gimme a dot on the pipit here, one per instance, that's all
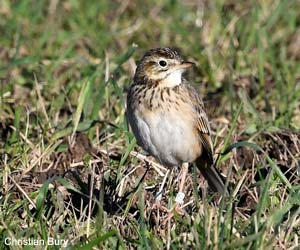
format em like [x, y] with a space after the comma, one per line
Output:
[167, 117]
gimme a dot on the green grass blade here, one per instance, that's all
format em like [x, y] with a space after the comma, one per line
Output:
[97, 241]
[84, 93]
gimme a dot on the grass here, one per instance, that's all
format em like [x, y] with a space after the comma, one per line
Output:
[71, 170]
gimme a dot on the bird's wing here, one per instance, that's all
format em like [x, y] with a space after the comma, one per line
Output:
[204, 134]
[202, 122]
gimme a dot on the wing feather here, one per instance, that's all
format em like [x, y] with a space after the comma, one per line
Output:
[205, 164]
[202, 122]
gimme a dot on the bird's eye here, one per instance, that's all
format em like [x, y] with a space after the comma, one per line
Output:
[163, 63]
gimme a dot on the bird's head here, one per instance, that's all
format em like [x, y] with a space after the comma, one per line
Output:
[161, 66]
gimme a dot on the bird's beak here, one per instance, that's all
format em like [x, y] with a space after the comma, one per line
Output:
[184, 65]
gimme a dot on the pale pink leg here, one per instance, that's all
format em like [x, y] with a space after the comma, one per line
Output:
[180, 196]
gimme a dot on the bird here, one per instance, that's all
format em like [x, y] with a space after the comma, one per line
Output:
[167, 117]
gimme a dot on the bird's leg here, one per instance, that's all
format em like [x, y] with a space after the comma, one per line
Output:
[158, 195]
[180, 196]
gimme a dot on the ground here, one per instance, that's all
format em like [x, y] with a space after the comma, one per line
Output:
[71, 169]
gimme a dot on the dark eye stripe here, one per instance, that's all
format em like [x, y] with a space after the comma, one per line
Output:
[163, 70]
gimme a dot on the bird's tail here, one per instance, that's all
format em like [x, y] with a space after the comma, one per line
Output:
[212, 175]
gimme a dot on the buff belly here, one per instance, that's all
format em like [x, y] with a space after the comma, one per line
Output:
[165, 136]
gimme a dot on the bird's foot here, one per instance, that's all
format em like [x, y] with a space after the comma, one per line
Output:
[157, 205]
[179, 210]
[163, 214]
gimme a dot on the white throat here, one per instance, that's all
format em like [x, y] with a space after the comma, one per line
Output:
[173, 79]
